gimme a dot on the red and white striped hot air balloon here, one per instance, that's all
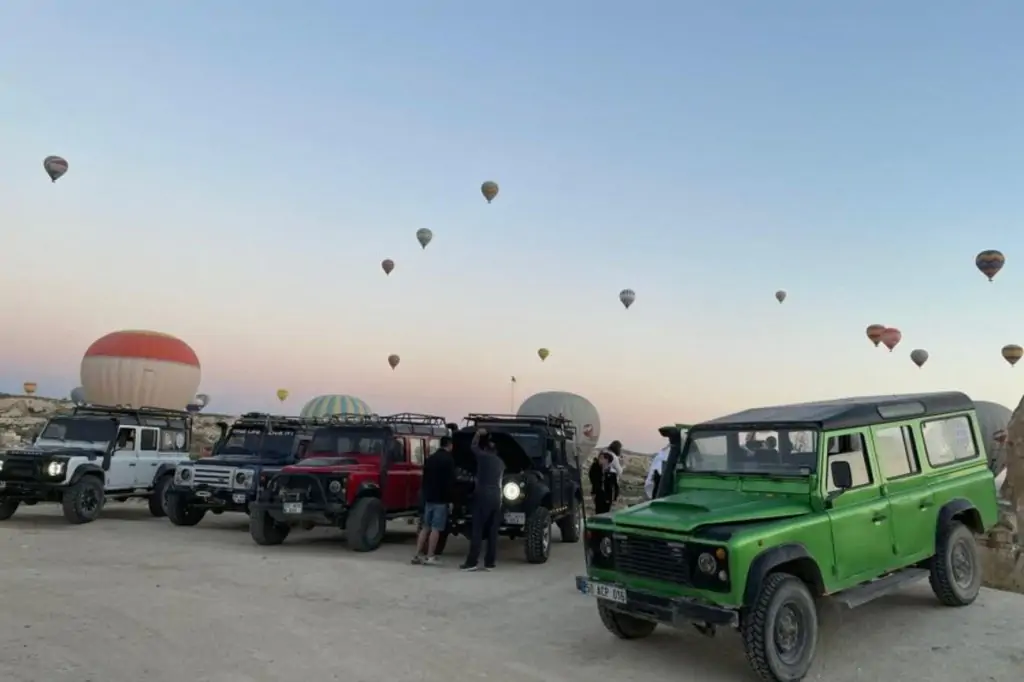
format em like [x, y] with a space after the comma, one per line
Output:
[140, 369]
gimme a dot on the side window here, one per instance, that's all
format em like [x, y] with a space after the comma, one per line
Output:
[850, 448]
[434, 445]
[949, 440]
[148, 439]
[416, 451]
[895, 452]
[300, 451]
[398, 450]
[126, 438]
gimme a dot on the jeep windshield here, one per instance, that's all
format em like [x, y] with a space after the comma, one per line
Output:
[768, 451]
[531, 442]
[258, 441]
[347, 441]
[98, 431]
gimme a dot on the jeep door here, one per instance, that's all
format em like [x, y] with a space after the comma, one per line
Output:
[417, 455]
[862, 536]
[124, 460]
[395, 480]
[911, 501]
[148, 456]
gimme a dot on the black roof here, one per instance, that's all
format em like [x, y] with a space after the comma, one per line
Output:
[847, 412]
[549, 422]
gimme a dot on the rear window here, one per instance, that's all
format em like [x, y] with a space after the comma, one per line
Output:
[348, 442]
[948, 441]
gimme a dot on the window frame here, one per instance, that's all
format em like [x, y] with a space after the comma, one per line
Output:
[413, 458]
[971, 423]
[909, 448]
[869, 460]
[147, 431]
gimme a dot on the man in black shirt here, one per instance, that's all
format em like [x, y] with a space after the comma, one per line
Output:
[438, 482]
[490, 469]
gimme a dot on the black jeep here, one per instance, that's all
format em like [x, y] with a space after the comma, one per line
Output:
[541, 484]
[247, 454]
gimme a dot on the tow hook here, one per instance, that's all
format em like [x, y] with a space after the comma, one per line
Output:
[706, 629]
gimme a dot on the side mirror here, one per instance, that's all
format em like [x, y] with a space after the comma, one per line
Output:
[842, 476]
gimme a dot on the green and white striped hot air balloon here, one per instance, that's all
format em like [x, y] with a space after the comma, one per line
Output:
[327, 405]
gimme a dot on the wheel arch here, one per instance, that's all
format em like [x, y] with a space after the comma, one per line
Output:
[958, 510]
[86, 469]
[792, 558]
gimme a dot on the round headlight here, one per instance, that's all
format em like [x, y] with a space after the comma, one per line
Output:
[606, 547]
[186, 474]
[240, 478]
[511, 490]
[335, 487]
[55, 468]
[706, 563]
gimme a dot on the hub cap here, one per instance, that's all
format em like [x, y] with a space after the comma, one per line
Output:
[790, 633]
[962, 564]
[89, 502]
[579, 524]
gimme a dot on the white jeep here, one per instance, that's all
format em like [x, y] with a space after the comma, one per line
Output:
[97, 454]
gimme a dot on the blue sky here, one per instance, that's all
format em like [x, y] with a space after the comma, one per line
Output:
[239, 169]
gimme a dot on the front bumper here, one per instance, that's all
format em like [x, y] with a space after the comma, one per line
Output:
[318, 514]
[674, 611]
[208, 497]
[29, 491]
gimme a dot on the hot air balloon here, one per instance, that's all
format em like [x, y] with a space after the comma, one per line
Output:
[202, 399]
[874, 332]
[627, 296]
[326, 405]
[423, 236]
[387, 265]
[780, 295]
[574, 407]
[282, 394]
[78, 396]
[393, 360]
[1012, 353]
[29, 387]
[490, 190]
[543, 354]
[919, 356]
[140, 369]
[990, 262]
[55, 166]
[891, 337]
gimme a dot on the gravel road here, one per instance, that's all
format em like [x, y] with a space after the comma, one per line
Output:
[131, 597]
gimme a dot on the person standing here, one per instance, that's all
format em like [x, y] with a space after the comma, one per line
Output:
[658, 463]
[604, 483]
[615, 449]
[438, 484]
[486, 502]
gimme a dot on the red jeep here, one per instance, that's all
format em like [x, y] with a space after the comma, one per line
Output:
[359, 473]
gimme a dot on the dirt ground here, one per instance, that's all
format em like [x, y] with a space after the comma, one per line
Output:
[131, 597]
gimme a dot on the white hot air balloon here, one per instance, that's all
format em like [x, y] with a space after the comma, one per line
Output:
[78, 395]
[140, 369]
[574, 407]
[627, 296]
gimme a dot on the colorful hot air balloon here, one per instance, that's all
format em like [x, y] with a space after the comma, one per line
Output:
[393, 360]
[919, 356]
[990, 262]
[1012, 353]
[29, 387]
[874, 332]
[140, 369]
[282, 394]
[423, 236]
[490, 190]
[327, 405]
[387, 265]
[55, 166]
[780, 295]
[891, 337]
[627, 296]
[543, 354]
[574, 407]
[78, 395]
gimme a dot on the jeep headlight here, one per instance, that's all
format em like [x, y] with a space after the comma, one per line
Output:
[183, 475]
[707, 564]
[511, 491]
[55, 469]
[243, 478]
[605, 547]
[1, 464]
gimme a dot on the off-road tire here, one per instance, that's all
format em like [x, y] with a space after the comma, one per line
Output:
[180, 512]
[570, 524]
[156, 498]
[537, 536]
[759, 629]
[83, 502]
[943, 578]
[624, 626]
[266, 531]
[366, 525]
[7, 508]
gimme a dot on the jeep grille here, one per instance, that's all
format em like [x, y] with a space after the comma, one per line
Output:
[20, 469]
[213, 476]
[652, 558]
[297, 488]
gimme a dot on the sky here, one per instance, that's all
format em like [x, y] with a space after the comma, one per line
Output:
[238, 170]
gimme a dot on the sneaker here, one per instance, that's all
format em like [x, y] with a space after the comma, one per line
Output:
[469, 567]
[489, 568]
[418, 559]
[431, 561]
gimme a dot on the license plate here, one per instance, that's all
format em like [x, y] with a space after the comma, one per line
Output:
[515, 518]
[239, 498]
[205, 494]
[292, 507]
[607, 592]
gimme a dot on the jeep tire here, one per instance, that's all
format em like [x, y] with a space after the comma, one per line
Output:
[366, 525]
[159, 496]
[537, 534]
[571, 525]
[180, 512]
[624, 626]
[780, 629]
[83, 501]
[266, 531]
[956, 569]
[7, 508]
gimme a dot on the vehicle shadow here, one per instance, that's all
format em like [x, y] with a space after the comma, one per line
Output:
[49, 516]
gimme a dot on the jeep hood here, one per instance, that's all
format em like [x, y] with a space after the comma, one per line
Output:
[238, 460]
[689, 510]
[52, 448]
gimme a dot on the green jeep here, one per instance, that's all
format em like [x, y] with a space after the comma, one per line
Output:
[765, 511]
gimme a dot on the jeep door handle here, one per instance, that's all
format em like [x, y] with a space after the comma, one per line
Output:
[131, 464]
[925, 504]
[877, 518]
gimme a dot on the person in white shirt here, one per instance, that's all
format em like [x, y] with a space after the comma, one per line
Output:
[654, 472]
[615, 450]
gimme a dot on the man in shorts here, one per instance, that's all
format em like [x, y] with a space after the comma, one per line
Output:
[438, 483]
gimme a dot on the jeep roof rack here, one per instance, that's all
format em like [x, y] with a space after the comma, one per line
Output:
[541, 420]
[412, 422]
[145, 416]
[268, 420]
